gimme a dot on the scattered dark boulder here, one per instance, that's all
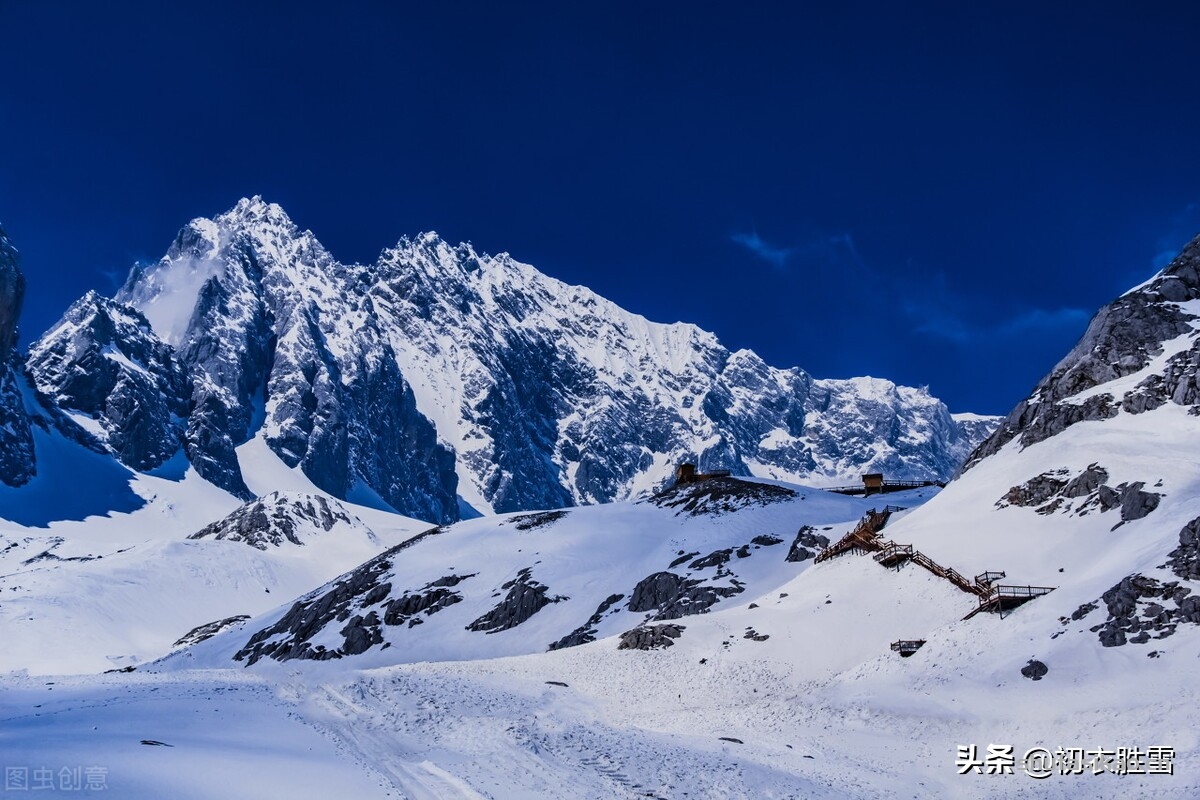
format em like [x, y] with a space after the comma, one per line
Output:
[720, 496]
[650, 637]
[674, 596]
[1035, 670]
[541, 519]
[208, 630]
[714, 559]
[807, 541]
[766, 540]
[525, 598]
[557, 683]
[1141, 608]
[730, 739]
[1184, 560]
[587, 631]
[1035, 491]
[1135, 503]
[683, 558]
[1086, 482]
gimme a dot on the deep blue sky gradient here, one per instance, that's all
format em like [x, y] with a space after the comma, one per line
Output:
[936, 193]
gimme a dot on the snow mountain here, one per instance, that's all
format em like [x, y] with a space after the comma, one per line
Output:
[732, 637]
[440, 382]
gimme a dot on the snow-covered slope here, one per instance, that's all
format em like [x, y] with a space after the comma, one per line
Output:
[529, 583]
[789, 687]
[440, 380]
[111, 569]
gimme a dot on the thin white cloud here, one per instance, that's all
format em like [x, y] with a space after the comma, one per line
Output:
[775, 256]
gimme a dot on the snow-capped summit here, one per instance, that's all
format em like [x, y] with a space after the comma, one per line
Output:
[442, 380]
[1138, 353]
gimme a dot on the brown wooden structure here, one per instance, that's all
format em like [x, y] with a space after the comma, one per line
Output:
[906, 647]
[686, 473]
[876, 483]
[865, 538]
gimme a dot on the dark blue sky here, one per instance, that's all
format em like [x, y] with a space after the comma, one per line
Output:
[936, 193]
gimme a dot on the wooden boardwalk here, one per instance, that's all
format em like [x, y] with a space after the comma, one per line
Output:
[865, 538]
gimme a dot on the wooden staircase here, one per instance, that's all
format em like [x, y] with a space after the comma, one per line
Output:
[865, 538]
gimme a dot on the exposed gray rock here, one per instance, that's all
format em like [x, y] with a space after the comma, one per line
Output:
[209, 630]
[717, 558]
[542, 519]
[1035, 491]
[1135, 503]
[1141, 608]
[755, 636]
[1086, 482]
[720, 496]
[766, 540]
[276, 518]
[650, 637]
[1035, 670]
[807, 542]
[1184, 560]
[354, 599]
[1122, 339]
[673, 596]
[1108, 498]
[587, 631]
[525, 598]
[1052, 491]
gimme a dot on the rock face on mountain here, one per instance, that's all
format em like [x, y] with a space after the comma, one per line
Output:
[103, 363]
[281, 518]
[439, 376]
[1150, 322]
[17, 463]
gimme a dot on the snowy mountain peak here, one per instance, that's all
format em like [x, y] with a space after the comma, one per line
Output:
[1139, 352]
[442, 380]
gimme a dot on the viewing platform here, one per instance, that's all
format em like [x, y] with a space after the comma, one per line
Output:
[906, 647]
[874, 483]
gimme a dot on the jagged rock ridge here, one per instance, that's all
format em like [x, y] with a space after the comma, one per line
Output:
[1123, 339]
[439, 373]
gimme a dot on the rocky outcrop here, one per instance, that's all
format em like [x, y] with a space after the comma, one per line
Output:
[672, 596]
[587, 631]
[362, 599]
[280, 518]
[721, 495]
[650, 637]
[208, 630]
[17, 459]
[806, 544]
[1184, 560]
[1141, 608]
[103, 362]
[1053, 492]
[1121, 340]
[1035, 670]
[525, 598]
